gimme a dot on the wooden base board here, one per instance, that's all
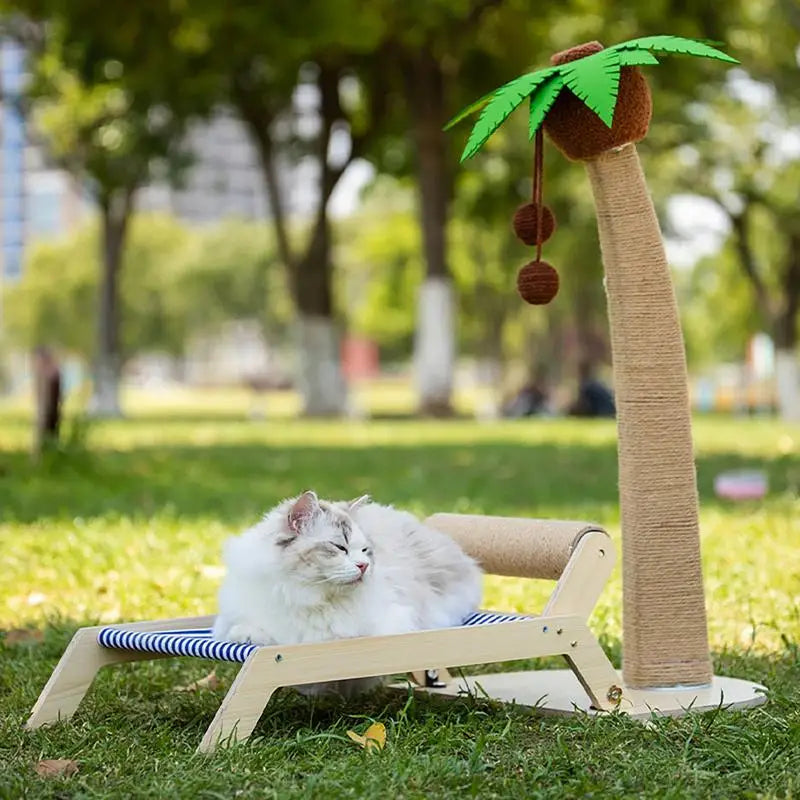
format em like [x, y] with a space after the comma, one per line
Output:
[558, 692]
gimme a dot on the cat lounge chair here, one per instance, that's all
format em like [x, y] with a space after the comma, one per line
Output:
[579, 557]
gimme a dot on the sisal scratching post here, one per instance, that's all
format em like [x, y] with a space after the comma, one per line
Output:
[594, 104]
[664, 616]
[665, 639]
[512, 546]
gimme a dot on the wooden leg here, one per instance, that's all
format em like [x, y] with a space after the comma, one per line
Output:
[73, 676]
[594, 671]
[241, 709]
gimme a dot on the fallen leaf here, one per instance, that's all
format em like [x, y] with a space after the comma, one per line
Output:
[56, 768]
[22, 636]
[211, 681]
[373, 739]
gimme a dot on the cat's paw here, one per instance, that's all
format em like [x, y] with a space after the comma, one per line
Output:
[247, 634]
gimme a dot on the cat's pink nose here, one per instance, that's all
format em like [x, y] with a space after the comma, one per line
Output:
[362, 566]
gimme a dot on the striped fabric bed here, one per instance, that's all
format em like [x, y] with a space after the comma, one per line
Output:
[199, 643]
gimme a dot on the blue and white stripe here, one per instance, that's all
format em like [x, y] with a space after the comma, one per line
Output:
[491, 618]
[198, 642]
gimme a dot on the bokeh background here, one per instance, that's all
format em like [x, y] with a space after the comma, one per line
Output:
[206, 198]
[236, 239]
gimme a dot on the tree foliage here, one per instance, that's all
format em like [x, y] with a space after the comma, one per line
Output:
[326, 83]
[175, 283]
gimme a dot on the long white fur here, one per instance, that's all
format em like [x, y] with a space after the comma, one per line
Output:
[288, 583]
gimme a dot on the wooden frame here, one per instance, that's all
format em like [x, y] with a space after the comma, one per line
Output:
[560, 630]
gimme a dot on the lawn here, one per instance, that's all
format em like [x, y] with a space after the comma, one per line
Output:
[128, 525]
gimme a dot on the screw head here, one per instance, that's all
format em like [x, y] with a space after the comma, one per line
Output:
[278, 657]
[614, 694]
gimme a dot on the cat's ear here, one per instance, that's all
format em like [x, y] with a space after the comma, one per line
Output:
[303, 509]
[358, 502]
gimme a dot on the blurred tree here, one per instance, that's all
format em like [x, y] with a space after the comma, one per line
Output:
[441, 55]
[745, 160]
[231, 271]
[110, 95]
[381, 258]
[63, 313]
[432, 52]
[289, 78]
[717, 310]
[174, 284]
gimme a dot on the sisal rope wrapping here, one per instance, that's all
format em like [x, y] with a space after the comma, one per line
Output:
[665, 638]
[511, 546]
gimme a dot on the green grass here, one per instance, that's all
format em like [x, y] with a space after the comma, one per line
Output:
[131, 527]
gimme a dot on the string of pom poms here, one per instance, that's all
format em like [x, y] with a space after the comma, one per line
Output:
[534, 223]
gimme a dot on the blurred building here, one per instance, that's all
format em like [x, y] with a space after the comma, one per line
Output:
[223, 181]
[225, 178]
[12, 161]
[37, 200]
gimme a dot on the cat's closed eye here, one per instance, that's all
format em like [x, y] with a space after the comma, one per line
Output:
[339, 547]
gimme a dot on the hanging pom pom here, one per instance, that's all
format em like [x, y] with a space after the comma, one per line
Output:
[525, 223]
[537, 283]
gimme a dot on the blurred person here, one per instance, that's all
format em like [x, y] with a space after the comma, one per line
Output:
[47, 396]
[594, 398]
[531, 400]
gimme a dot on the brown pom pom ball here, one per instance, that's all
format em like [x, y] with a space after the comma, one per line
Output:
[537, 283]
[525, 223]
[578, 132]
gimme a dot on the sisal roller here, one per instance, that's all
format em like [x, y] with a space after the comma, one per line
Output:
[513, 546]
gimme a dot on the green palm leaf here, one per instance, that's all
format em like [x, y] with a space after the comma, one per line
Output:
[636, 58]
[500, 107]
[542, 100]
[471, 108]
[675, 44]
[595, 80]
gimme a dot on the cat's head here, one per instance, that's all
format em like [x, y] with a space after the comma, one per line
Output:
[321, 544]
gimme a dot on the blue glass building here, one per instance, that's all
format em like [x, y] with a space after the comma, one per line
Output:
[12, 161]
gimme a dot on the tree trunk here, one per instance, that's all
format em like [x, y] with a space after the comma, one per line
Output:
[115, 212]
[434, 346]
[321, 380]
[664, 619]
[778, 311]
[787, 369]
[320, 377]
[435, 358]
[787, 384]
[47, 386]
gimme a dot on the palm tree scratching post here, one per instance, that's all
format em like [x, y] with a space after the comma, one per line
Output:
[594, 104]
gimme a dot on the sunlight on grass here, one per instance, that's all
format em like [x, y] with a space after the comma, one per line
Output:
[133, 527]
[128, 524]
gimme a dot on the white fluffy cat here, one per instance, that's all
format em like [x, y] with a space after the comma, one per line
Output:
[314, 570]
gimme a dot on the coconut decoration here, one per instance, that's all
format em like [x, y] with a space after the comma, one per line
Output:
[537, 283]
[590, 100]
